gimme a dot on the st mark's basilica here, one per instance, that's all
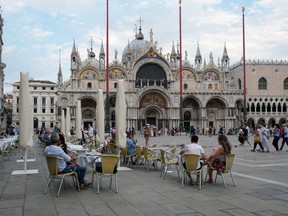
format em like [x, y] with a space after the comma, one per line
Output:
[152, 86]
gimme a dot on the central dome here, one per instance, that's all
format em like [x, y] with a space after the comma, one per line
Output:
[136, 48]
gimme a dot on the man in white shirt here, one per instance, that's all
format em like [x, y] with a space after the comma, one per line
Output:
[194, 148]
[63, 158]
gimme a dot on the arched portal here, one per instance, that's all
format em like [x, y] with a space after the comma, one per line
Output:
[88, 110]
[191, 110]
[153, 110]
[215, 112]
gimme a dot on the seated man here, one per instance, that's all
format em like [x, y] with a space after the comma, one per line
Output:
[63, 158]
[194, 148]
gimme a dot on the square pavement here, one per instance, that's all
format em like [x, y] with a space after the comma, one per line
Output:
[261, 179]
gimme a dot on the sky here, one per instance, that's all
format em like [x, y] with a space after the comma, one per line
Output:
[34, 31]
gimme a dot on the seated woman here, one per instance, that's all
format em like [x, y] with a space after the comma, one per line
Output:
[63, 145]
[216, 161]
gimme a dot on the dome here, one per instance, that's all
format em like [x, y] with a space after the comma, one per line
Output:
[90, 62]
[136, 48]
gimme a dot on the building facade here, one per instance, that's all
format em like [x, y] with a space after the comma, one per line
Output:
[267, 90]
[152, 87]
[212, 92]
[43, 103]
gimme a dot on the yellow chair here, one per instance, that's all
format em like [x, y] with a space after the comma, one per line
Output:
[52, 163]
[107, 166]
[191, 165]
[126, 157]
[1, 157]
[167, 160]
[173, 149]
[150, 156]
[5, 150]
[229, 159]
[139, 155]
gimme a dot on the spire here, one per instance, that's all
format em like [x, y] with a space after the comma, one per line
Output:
[140, 36]
[198, 57]
[60, 76]
[74, 51]
[129, 51]
[173, 53]
[91, 53]
[225, 57]
[198, 53]
[102, 52]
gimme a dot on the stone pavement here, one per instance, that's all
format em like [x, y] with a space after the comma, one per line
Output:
[261, 178]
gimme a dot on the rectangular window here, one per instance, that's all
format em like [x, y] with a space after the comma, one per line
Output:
[35, 110]
[52, 111]
[17, 100]
[43, 88]
[52, 88]
[52, 101]
[51, 125]
[35, 101]
[43, 110]
[35, 88]
[17, 110]
[43, 101]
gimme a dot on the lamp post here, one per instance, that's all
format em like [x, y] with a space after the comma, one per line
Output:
[244, 68]
[107, 107]
[180, 70]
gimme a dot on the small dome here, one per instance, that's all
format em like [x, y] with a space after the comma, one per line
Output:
[90, 62]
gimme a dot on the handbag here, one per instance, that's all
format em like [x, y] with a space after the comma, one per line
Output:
[257, 138]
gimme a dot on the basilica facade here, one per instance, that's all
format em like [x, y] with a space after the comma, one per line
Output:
[152, 87]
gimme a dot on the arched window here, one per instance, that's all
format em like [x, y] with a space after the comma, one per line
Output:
[89, 85]
[115, 85]
[239, 83]
[286, 83]
[262, 83]
[185, 86]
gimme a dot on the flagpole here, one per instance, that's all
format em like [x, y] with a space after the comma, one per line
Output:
[244, 68]
[180, 72]
[107, 126]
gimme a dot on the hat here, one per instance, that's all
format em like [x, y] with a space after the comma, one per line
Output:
[147, 124]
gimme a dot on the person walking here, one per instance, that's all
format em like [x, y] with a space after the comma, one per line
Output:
[285, 136]
[265, 137]
[258, 139]
[276, 134]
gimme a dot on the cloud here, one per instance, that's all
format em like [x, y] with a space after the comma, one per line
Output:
[36, 30]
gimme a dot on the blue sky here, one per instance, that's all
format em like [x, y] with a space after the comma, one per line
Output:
[34, 30]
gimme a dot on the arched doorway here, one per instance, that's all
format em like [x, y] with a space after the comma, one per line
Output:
[215, 112]
[88, 108]
[152, 110]
[191, 110]
[35, 123]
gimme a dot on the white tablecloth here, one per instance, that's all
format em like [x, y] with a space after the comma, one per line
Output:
[76, 148]
[5, 142]
[83, 160]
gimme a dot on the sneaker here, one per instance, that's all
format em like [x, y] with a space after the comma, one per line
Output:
[85, 186]
[253, 150]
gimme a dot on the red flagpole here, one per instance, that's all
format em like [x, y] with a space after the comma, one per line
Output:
[180, 32]
[107, 49]
[107, 125]
[180, 72]
[244, 67]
